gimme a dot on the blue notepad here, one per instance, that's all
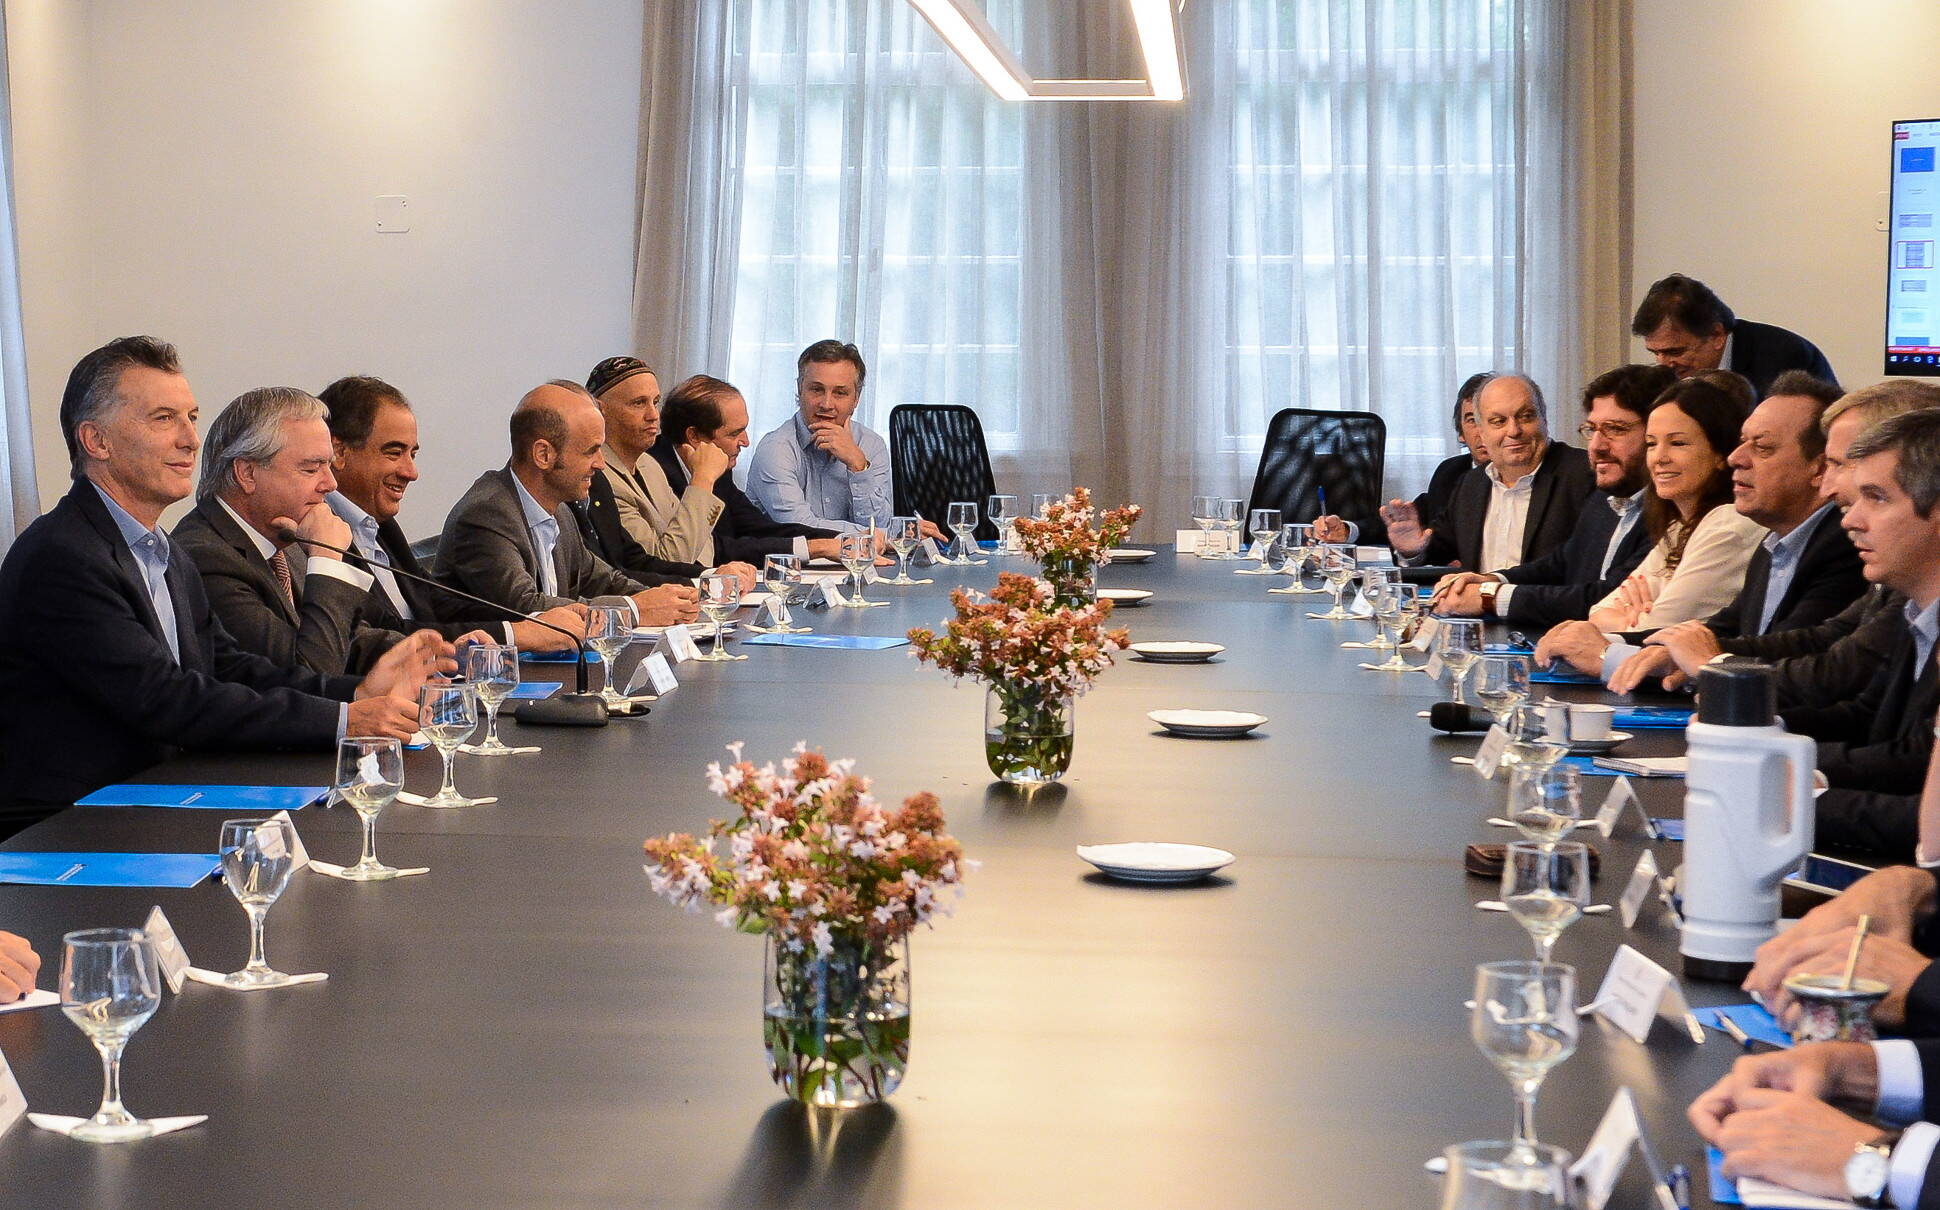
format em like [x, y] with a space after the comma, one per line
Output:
[1645, 718]
[264, 800]
[1724, 1190]
[179, 870]
[533, 691]
[1585, 766]
[1668, 829]
[837, 642]
[1565, 677]
[1507, 649]
[1758, 1025]
[555, 657]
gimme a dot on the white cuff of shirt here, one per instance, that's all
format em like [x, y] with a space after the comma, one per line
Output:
[343, 721]
[1902, 1090]
[337, 569]
[510, 641]
[1911, 1156]
[633, 609]
[1502, 596]
[1613, 657]
[801, 549]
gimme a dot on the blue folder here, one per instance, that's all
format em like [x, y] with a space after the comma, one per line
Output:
[179, 870]
[1667, 829]
[1758, 1024]
[1565, 677]
[532, 691]
[837, 642]
[249, 800]
[1646, 718]
[555, 657]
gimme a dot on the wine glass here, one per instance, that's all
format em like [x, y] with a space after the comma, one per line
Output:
[492, 669]
[1507, 1176]
[1525, 1022]
[1296, 553]
[111, 983]
[1545, 804]
[258, 856]
[1375, 580]
[1232, 514]
[720, 597]
[1337, 567]
[609, 629]
[448, 714]
[1405, 606]
[857, 551]
[1205, 513]
[1531, 743]
[1546, 887]
[1002, 511]
[963, 523]
[1264, 525]
[905, 535]
[781, 575]
[370, 772]
[1502, 684]
[1041, 503]
[1459, 644]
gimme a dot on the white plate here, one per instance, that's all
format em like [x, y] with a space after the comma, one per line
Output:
[1125, 596]
[1601, 745]
[1129, 554]
[1210, 724]
[1176, 653]
[1147, 861]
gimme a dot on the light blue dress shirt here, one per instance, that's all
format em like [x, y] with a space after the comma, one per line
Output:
[150, 548]
[1785, 553]
[1901, 1097]
[1925, 624]
[798, 484]
[363, 535]
[544, 528]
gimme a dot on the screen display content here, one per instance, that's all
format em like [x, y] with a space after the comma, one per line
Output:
[1912, 269]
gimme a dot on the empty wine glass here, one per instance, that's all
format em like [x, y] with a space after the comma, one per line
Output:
[1459, 644]
[111, 983]
[1531, 743]
[1546, 887]
[963, 523]
[905, 535]
[1502, 684]
[1041, 503]
[258, 856]
[448, 714]
[370, 772]
[1545, 804]
[1404, 606]
[1296, 555]
[1205, 514]
[1374, 580]
[1507, 1176]
[720, 597]
[1002, 511]
[609, 628]
[493, 670]
[781, 575]
[1337, 567]
[1232, 515]
[857, 551]
[1525, 1022]
[1264, 525]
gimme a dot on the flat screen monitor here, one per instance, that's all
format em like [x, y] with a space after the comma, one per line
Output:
[1912, 266]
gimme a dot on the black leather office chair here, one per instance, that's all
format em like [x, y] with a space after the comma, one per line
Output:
[937, 455]
[1308, 452]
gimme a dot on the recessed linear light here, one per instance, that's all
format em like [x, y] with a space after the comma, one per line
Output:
[962, 24]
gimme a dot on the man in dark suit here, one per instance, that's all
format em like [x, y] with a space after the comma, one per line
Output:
[704, 409]
[1687, 327]
[1608, 542]
[606, 536]
[1475, 453]
[512, 538]
[119, 659]
[374, 448]
[1518, 508]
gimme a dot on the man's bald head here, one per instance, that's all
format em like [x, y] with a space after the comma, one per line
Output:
[1515, 423]
[544, 414]
[557, 431]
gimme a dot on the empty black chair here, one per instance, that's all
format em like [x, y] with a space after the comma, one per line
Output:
[1308, 452]
[937, 455]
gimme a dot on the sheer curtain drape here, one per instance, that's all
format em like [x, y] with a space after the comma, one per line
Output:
[19, 496]
[1360, 203]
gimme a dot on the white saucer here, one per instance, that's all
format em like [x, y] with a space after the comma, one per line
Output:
[1127, 597]
[1598, 746]
[1128, 554]
[1176, 653]
[1148, 861]
[1207, 724]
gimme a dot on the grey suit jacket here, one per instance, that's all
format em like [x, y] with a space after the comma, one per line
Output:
[680, 528]
[487, 550]
[325, 632]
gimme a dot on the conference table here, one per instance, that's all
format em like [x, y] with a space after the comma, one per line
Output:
[528, 1025]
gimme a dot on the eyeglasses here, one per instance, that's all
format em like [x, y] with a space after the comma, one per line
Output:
[1611, 431]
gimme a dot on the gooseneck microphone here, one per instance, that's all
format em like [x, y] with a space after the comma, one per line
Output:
[576, 709]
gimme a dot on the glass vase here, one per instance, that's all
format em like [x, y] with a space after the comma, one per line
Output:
[1074, 582]
[1027, 735]
[836, 1025]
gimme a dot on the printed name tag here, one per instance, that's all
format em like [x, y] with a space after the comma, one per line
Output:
[1636, 991]
[1189, 541]
[1433, 667]
[13, 1102]
[828, 592]
[169, 953]
[1643, 880]
[1256, 551]
[927, 548]
[660, 673]
[1608, 1150]
[1621, 795]
[680, 643]
[299, 856]
[1425, 635]
[1489, 756]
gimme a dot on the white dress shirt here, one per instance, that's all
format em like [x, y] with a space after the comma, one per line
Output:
[1902, 1098]
[544, 528]
[1508, 517]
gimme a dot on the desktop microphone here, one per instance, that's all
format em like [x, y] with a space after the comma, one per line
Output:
[576, 709]
[1455, 717]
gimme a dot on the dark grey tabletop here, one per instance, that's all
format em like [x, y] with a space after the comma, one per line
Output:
[527, 1025]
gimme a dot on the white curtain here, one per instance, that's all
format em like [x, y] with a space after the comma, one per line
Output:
[1360, 203]
[19, 497]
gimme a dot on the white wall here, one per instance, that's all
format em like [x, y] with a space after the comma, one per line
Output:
[205, 169]
[1762, 134]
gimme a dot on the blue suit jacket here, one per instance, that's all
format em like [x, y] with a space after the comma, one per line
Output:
[1761, 352]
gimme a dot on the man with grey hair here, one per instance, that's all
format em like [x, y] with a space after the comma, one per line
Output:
[265, 473]
[119, 661]
[1518, 508]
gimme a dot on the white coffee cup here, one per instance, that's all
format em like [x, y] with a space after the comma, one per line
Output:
[1587, 720]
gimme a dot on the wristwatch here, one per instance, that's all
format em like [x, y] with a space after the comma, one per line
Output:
[1870, 1171]
[1487, 590]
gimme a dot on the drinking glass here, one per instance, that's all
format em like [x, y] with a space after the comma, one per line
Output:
[1459, 644]
[1264, 525]
[1546, 887]
[1530, 742]
[258, 856]
[1502, 684]
[857, 552]
[905, 535]
[963, 523]
[1507, 1176]
[111, 983]
[1374, 580]
[720, 597]
[1337, 567]
[448, 714]
[493, 670]
[608, 631]
[1296, 553]
[1404, 605]
[1525, 1022]
[370, 772]
[1002, 511]
[1041, 503]
[1232, 515]
[781, 575]
[1205, 514]
[1545, 804]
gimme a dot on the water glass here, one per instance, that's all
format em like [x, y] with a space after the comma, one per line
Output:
[1404, 606]
[1502, 684]
[493, 670]
[609, 628]
[1507, 1176]
[781, 575]
[370, 772]
[448, 714]
[857, 551]
[1525, 1021]
[963, 523]
[1232, 515]
[1264, 525]
[258, 856]
[1296, 554]
[1337, 567]
[1545, 804]
[1532, 743]
[1546, 887]
[1002, 511]
[111, 983]
[1459, 644]
[905, 535]
[720, 597]
[1041, 503]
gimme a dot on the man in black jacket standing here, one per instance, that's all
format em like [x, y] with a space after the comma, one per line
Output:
[1687, 327]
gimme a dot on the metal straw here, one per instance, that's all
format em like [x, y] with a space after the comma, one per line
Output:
[1852, 955]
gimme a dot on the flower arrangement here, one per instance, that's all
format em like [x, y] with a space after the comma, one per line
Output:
[1069, 549]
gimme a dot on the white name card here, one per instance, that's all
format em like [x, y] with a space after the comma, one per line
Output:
[827, 592]
[1636, 991]
[1424, 635]
[299, 856]
[13, 1102]
[1489, 756]
[1621, 794]
[680, 643]
[1189, 541]
[1256, 551]
[928, 549]
[1643, 880]
[1433, 667]
[1608, 1150]
[169, 953]
[660, 673]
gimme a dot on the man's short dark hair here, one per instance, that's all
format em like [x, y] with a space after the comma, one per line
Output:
[534, 421]
[94, 383]
[1732, 383]
[695, 403]
[1915, 437]
[1685, 301]
[831, 351]
[1471, 387]
[1823, 395]
[1634, 388]
[353, 402]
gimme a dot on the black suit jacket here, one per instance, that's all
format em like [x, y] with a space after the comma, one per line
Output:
[431, 608]
[1879, 741]
[743, 534]
[599, 524]
[95, 695]
[1829, 578]
[1563, 584]
[325, 630]
[1761, 352]
[1564, 482]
